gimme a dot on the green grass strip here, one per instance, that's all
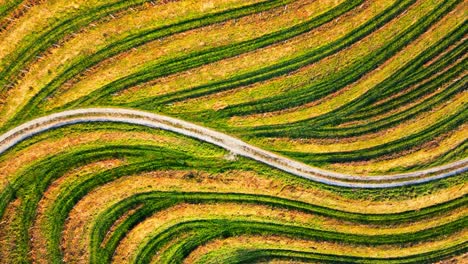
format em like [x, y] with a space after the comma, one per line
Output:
[244, 256]
[34, 45]
[352, 73]
[158, 201]
[283, 67]
[445, 125]
[138, 39]
[222, 228]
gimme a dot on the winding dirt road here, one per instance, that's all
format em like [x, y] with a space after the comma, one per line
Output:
[229, 143]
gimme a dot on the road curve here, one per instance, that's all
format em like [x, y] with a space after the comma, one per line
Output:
[234, 145]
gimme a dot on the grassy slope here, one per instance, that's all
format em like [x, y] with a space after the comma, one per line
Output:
[102, 192]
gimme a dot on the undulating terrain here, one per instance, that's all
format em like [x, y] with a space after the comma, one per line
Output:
[233, 131]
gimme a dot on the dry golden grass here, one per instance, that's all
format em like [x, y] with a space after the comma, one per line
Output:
[96, 36]
[352, 92]
[427, 153]
[318, 37]
[402, 108]
[39, 229]
[264, 57]
[15, 162]
[198, 39]
[411, 126]
[7, 241]
[25, 229]
[39, 18]
[322, 246]
[83, 215]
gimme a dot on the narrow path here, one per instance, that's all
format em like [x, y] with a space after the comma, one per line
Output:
[234, 145]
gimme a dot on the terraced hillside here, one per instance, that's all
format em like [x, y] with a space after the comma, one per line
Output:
[233, 131]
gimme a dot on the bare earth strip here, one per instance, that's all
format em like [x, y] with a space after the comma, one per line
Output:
[234, 145]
